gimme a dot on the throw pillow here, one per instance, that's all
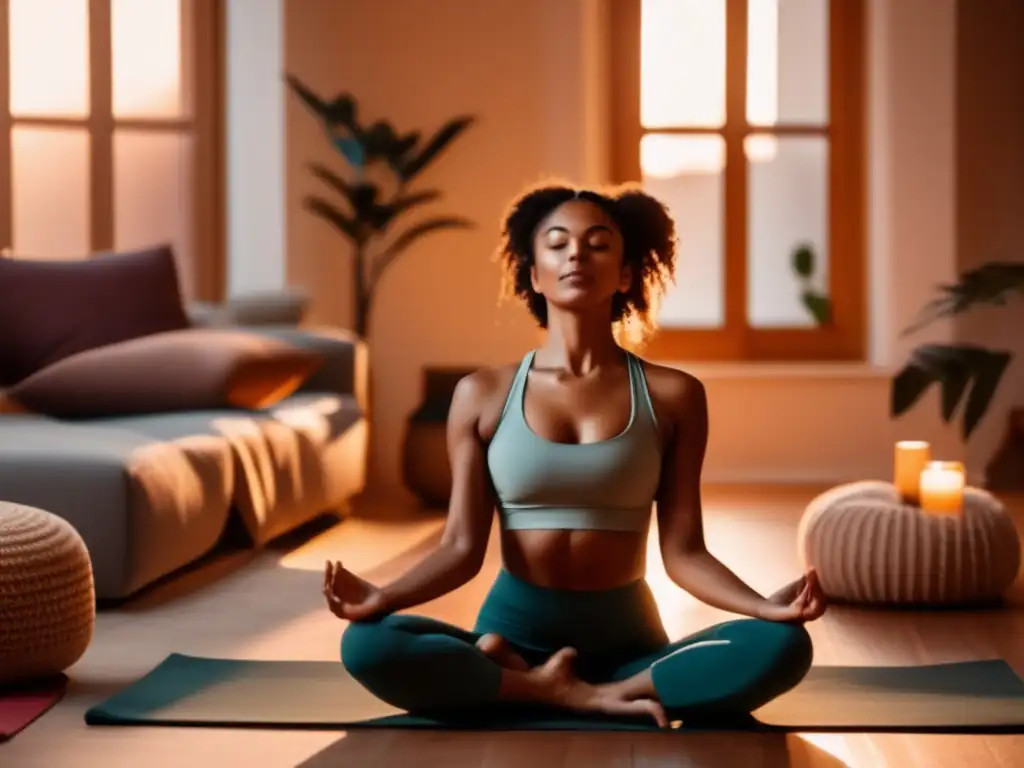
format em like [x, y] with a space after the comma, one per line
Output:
[193, 369]
[51, 310]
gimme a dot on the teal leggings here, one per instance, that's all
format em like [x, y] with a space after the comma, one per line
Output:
[426, 666]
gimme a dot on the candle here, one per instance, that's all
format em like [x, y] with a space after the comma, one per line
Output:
[942, 487]
[912, 456]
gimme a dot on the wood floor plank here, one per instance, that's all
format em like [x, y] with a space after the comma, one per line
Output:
[269, 606]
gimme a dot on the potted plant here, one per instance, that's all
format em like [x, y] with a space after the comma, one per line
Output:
[368, 210]
[967, 373]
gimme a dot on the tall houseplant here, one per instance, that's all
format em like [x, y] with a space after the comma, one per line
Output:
[368, 209]
[963, 372]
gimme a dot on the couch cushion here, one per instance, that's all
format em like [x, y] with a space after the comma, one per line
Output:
[192, 369]
[345, 360]
[145, 506]
[53, 309]
[293, 462]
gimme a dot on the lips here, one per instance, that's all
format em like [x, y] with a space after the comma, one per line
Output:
[576, 275]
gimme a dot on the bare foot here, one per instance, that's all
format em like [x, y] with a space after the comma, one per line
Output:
[497, 648]
[564, 689]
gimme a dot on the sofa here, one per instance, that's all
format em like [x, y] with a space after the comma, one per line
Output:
[151, 489]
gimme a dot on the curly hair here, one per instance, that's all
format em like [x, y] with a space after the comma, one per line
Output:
[649, 247]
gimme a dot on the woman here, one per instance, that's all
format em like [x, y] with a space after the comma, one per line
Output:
[574, 446]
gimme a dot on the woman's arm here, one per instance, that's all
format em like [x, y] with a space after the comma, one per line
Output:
[681, 529]
[460, 555]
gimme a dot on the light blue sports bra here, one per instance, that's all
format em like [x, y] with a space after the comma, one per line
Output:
[608, 485]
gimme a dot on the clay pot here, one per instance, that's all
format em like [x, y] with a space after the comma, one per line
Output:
[426, 470]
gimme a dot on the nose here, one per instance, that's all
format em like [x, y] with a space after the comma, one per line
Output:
[575, 250]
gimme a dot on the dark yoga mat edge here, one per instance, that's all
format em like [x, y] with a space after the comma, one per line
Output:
[981, 681]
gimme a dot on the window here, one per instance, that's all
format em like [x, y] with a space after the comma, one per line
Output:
[109, 131]
[745, 118]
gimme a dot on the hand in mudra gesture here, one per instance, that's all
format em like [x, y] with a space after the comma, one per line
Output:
[801, 601]
[350, 597]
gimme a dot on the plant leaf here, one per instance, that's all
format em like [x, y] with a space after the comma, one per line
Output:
[323, 209]
[907, 388]
[803, 261]
[314, 103]
[401, 148]
[402, 203]
[818, 305]
[336, 182]
[955, 368]
[341, 111]
[414, 233]
[990, 370]
[379, 139]
[953, 385]
[992, 283]
[434, 147]
[361, 196]
[351, 149]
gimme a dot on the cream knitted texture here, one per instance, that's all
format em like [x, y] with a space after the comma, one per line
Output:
[869, 547]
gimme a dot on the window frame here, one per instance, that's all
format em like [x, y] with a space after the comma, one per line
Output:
[844, 338]
[202, 45]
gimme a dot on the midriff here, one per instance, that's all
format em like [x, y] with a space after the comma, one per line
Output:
[575, 559]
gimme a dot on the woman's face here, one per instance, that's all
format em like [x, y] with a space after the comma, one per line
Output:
[578, 262]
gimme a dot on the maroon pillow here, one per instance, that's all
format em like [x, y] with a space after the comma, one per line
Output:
[50, 310]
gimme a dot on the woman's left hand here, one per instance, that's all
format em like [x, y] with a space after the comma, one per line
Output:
[801, 601]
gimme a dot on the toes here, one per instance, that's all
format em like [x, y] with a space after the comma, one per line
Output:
[655, 710]
[562, 658]
[491, 644]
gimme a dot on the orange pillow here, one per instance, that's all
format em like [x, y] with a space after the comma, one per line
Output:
[187, 370]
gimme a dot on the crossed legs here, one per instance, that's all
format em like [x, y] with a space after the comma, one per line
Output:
[423, 665]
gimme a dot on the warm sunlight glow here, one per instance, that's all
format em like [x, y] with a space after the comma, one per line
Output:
[50, 183]
[49, 65]
[682, 67]
[664, 156]
[762, 61]
[683, 82]
[151, 194]
[834, 744]
[147, 63]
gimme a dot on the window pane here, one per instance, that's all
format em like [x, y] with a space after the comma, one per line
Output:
[685, 173]
[789, 199]
[50, 192]
[787, 61]
[152, 175]
[682, 68]
[49, 49]
[147, 57]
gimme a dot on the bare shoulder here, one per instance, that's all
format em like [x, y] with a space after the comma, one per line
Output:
[480, 396]
[674, 392]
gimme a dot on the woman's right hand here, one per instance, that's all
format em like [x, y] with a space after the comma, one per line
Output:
[350, 597]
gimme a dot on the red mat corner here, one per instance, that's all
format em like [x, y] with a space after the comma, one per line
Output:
[22, 705]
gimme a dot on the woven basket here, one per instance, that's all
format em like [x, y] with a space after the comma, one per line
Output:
[47, 600]
[869, 547]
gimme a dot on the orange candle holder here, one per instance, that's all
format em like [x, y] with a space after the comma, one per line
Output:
[912, 456]
[942, 487]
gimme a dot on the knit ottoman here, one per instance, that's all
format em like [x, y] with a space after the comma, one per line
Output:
[47, 602]
[869, 547]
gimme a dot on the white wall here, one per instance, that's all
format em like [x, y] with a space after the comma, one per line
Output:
[255, 146]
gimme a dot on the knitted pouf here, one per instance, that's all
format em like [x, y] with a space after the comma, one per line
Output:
[869, 547]
[47, 600]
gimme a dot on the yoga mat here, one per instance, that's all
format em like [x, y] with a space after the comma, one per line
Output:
[970, 697]
[21, 706]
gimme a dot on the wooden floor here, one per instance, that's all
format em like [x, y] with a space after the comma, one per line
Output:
[270, 607]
